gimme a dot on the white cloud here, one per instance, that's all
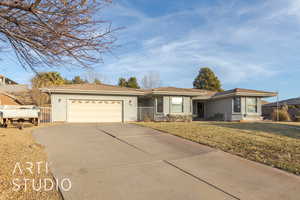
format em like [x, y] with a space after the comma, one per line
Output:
[241, 44]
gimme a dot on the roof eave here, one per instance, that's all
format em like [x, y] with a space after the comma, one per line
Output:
[76, 91]
[176, 93]
[256, 94]
[248, 94]
[201, 98]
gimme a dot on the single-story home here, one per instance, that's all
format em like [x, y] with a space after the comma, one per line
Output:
[107, 103]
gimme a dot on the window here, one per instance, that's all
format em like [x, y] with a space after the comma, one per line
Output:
[251, 104]
[159, 104]
[176, 104]
[237, 104]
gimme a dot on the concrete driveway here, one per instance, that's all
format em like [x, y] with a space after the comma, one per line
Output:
[129, 162]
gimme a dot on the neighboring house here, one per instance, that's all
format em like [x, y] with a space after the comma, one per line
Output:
[12, 93]
[10, 86]
[107, 103]
[8, 99]
[263, 102]
[6, 81]
[293, 105]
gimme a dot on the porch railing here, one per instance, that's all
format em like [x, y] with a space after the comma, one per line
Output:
[145, 113]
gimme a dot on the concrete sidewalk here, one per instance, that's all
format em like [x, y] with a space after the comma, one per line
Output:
[125, 161]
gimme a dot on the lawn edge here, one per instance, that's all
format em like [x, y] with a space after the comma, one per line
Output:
[231, 153]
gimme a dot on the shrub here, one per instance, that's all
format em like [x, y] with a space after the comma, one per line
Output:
[291, 107]
[217, 117]
[282, 114]
[179, 118]
[297, 116]
[147, 118]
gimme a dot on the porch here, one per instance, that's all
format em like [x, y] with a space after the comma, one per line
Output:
[161, 108]
[199, 110]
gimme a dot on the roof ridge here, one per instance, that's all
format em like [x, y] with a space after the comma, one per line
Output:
[92, 84]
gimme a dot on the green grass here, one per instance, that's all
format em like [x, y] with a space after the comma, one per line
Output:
[274, 144]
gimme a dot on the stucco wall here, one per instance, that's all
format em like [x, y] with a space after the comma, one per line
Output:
[223, 106]
[60, 103]
[166, 105]
[187, 105]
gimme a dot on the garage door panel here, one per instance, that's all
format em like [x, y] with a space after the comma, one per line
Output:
[95, 111]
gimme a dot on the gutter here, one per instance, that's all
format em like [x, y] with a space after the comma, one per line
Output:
[176, 93]
[106, 92]
[245, 94]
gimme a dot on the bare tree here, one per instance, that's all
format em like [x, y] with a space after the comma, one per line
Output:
[151, 80]
[93, 76]
[54, 32]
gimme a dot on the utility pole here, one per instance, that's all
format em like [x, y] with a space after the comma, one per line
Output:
[277, 106]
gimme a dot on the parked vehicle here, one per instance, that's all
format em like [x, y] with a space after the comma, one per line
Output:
[19, 114]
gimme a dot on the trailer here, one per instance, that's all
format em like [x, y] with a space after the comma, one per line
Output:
[19, 115]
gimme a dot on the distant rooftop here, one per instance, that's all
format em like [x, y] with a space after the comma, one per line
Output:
[6, 81]
[293, 101]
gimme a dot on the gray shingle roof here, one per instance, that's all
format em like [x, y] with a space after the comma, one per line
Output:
[293, 101]
[155, 91]
[92, 86]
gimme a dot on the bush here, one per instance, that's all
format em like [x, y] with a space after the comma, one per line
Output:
[282, 113]
[179, 118]
[147, 118]
[297, 116]
[292, 107]
[217, 117]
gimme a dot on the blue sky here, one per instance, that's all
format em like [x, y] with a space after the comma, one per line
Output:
[251, 44]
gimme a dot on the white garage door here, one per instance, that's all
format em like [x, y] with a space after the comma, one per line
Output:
[94, 111]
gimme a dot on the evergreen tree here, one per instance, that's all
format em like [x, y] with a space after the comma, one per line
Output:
[97, 81]
[122, 82]
[132, 83]
[78, 80]
[207, 80]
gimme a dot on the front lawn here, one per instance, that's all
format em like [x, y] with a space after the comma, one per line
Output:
[19, 151]
[274, 144]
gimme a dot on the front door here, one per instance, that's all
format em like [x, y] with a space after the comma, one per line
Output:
[200, 109]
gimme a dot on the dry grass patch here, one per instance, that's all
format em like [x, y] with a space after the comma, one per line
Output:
[288, 123]
[18, 146]
[262, 142]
